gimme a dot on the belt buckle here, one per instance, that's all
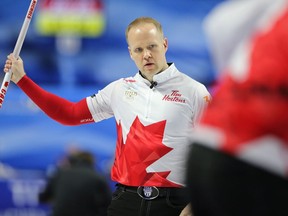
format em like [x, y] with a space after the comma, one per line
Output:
[148, 192]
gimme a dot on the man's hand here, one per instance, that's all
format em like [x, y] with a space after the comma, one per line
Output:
[187, 211]
[16, 67]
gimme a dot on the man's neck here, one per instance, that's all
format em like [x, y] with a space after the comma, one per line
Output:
[150, 78]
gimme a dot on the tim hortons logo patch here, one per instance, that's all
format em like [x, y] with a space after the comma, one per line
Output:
[174, 96]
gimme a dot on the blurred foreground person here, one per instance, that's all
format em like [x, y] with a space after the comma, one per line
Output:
[77, 189]
[238, 165]
[155, 110]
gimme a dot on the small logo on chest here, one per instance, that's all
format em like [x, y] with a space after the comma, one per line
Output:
[174, 96]
[130, 95]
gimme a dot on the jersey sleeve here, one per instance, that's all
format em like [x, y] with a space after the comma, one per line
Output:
[202, 100]
[100, 105]
[57, 108]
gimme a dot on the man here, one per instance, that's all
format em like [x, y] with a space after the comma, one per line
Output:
[154, 112]
[238, 164]
[76, 188]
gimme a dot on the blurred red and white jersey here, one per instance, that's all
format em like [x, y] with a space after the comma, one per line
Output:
[248, 117]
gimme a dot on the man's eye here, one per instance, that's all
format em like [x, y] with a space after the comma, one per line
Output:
[152, 46]
[138, 50]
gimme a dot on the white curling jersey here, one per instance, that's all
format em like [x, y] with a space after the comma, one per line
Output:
[152, 125]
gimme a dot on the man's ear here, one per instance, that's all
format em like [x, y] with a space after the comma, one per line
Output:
[130, 53]
[165, 44]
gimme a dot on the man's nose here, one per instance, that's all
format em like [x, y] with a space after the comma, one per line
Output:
[147, 54]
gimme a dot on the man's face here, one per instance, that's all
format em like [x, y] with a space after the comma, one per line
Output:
[147, 48]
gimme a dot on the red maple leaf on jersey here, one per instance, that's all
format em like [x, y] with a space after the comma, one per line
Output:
[142, 148]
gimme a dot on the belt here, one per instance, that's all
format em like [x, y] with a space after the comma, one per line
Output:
[149, 192]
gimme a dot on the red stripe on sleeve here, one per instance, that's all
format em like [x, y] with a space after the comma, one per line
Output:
[57, 108]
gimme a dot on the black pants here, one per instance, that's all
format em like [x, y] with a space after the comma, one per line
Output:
[127, 203]
[221, 185]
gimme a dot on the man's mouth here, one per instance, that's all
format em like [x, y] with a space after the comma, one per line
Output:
[148, 64]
